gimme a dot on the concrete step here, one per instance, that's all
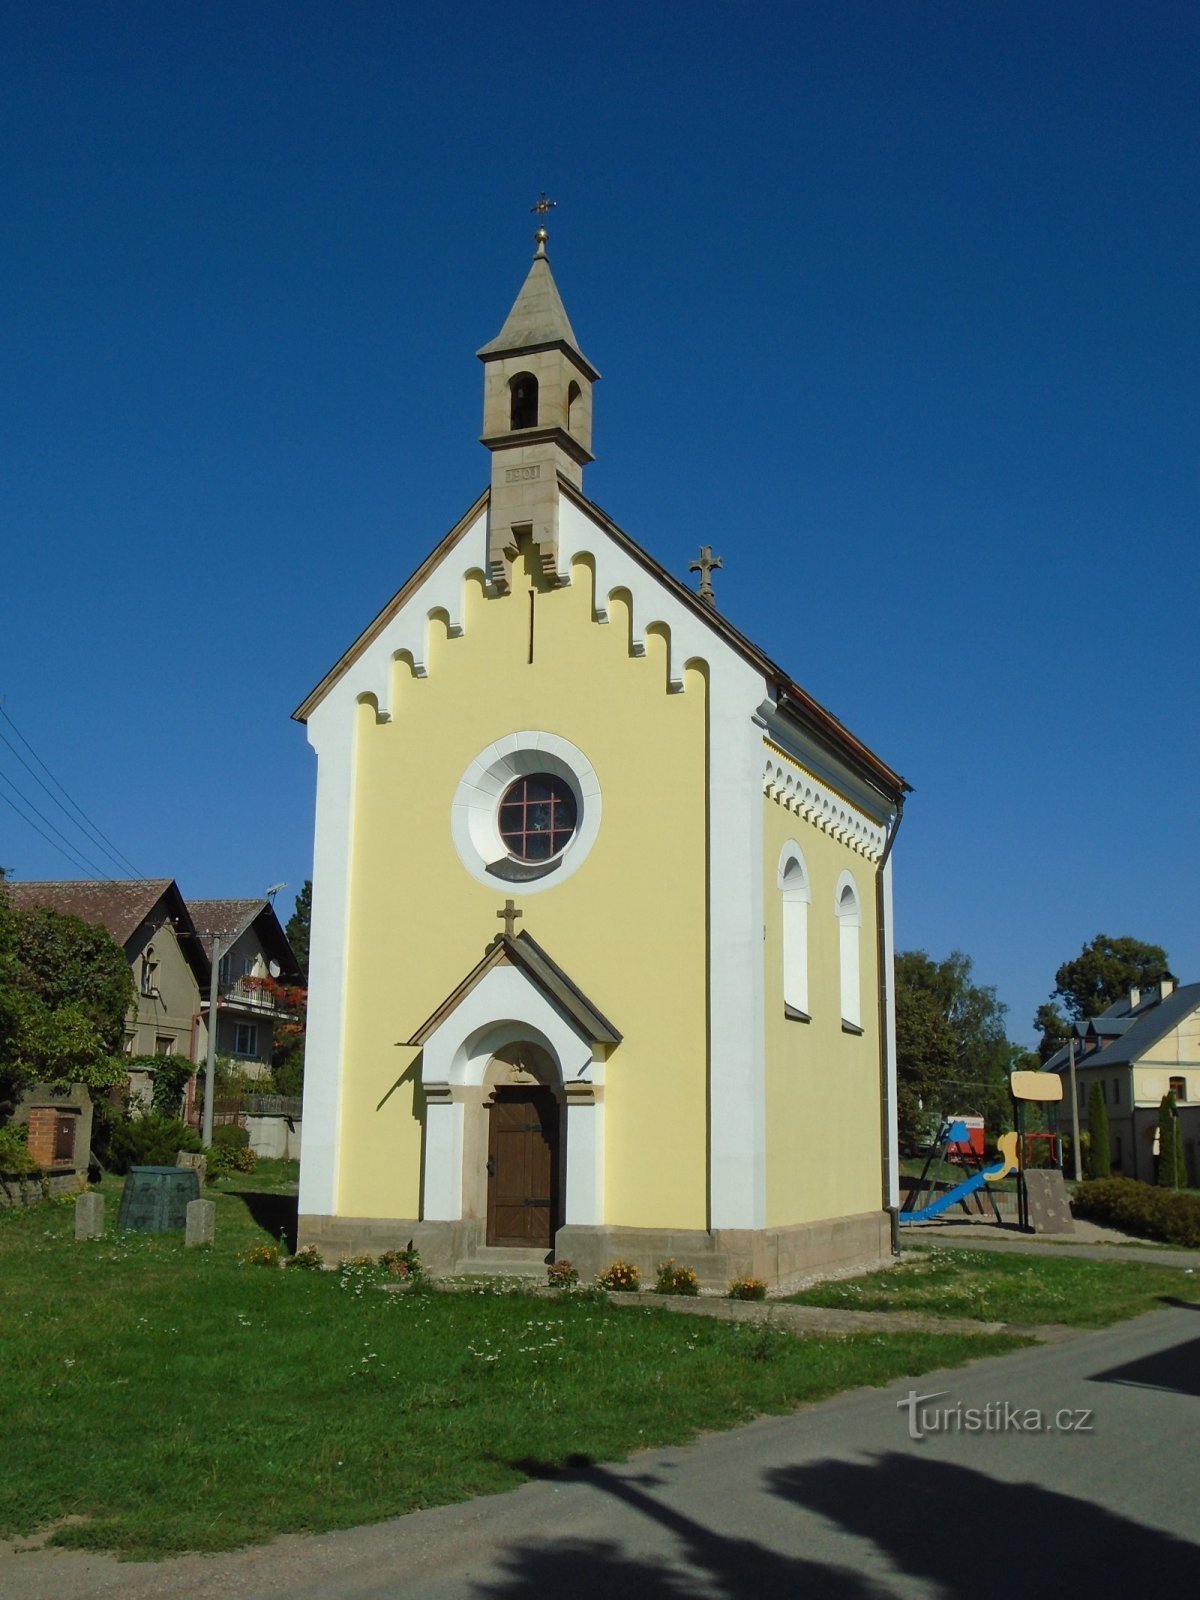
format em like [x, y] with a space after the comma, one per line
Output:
[499, 1261]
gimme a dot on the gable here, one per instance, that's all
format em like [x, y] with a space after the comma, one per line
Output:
[657, 601]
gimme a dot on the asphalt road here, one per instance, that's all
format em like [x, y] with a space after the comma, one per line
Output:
[834, 1501]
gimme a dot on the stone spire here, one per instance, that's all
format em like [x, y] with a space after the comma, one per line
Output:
[537, 419]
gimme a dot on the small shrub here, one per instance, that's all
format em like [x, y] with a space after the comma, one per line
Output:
[402, 1264]
[747, 1289]
[561, 1275]
[244, 1160]
[15, 1159]
[149, 1141]
[228, 1136]
[308, 1259]
[675, 1280]
[1140, 1208]
[220, 1162]
[622, 1276]
[262, 1255]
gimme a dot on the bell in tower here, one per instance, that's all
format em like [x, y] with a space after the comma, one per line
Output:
[537, 418]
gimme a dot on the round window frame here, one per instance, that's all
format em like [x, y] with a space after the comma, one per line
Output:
[475, 810]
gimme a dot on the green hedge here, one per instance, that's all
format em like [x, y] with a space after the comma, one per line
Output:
[1140, 1208]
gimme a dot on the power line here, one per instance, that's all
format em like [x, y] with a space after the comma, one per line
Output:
[68, 852]
[91, 830]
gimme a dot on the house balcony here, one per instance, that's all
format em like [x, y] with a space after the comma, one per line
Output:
[256, 996]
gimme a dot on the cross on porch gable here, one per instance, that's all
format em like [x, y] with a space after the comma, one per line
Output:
[509, 916]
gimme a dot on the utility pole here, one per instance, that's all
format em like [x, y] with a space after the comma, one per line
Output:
[210, 1070]
[1074, 1110]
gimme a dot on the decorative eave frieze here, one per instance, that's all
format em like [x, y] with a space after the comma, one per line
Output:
[798, 790]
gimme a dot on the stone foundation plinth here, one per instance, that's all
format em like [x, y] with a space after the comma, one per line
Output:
[717, 1257]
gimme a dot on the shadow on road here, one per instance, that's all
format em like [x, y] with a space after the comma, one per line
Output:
[953, 1529]
[1176, 1369]
[960, 1532]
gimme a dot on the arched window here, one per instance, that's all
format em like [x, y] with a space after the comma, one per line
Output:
[523, 392]
[574, 394]
[849, 931]
[795, 898]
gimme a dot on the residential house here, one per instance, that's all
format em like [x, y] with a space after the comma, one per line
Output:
[1143, 1047]
[149, 920]
[254, 960]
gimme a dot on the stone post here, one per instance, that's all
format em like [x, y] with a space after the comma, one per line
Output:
[89, 1215]
[201, 1223]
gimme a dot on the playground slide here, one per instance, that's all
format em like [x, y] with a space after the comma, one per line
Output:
[1007, 1144]
[951, 1197]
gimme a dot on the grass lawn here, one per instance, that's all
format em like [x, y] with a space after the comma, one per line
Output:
[182, 1400]
[1002, 1286]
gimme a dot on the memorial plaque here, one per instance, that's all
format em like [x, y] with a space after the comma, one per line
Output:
[155, 1199]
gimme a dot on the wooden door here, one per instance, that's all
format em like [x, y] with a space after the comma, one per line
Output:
[523, 1168]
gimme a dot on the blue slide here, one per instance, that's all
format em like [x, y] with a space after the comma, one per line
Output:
[951, 1197]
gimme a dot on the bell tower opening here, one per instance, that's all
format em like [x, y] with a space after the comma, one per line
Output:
[523, 401]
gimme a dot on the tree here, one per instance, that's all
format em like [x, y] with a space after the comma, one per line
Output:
[926, 1054]
[1172, 1169]
[64, 961]
[977, 1079]
[1104, 971]
[1098, 1160]
[1054, 1029]
[65, 990]
[298, 925]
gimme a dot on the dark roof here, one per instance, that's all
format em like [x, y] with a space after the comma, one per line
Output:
[1148, 1022]
[120, 907]
[562, 992]
[227, 920]
[793, 700]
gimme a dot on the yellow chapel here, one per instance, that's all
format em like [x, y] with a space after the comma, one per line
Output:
[601, 941]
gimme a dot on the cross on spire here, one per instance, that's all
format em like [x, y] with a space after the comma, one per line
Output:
[543, 209]
[509, 916]
[706, 566]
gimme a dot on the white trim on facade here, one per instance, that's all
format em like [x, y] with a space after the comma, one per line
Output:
[847, 908]
[474, 810]
[889, 967]
[795, 891]
[332, 731]
[799, 791]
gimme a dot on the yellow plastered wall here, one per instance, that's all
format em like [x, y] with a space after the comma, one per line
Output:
[824, 1138]
[628, 927]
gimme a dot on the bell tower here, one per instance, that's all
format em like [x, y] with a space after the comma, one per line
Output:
[537, 418]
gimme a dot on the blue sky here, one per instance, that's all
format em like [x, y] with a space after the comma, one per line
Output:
[896, 306]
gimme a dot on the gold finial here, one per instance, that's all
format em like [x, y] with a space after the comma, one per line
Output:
[543, 209]
[706, 566]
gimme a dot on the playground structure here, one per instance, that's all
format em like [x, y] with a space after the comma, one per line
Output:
[954, 1147]
[1042, 1205]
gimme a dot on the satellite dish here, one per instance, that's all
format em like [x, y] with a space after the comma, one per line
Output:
[274, 968]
